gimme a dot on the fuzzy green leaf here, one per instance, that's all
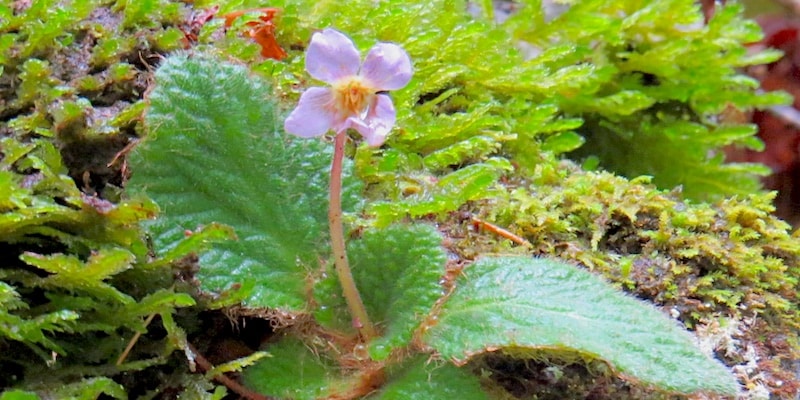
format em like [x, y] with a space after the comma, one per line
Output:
[215, 153]
[421, 379]
[536, 304]
[397, 270]
[294, 371]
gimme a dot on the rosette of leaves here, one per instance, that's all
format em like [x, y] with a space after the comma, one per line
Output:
[209, 161]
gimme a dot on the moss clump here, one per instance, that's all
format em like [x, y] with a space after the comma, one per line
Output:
[654, 88]
[77, 279]
[731, 256]
[75, 71]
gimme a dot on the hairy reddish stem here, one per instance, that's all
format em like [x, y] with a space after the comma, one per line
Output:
[357, 311]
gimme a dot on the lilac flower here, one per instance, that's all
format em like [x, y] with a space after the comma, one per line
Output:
[354, 98]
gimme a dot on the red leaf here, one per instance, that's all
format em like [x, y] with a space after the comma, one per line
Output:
[261, 31]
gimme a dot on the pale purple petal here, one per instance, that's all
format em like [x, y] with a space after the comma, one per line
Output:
[378, 123]
[313, 115]
[387, 67]
[331, 56]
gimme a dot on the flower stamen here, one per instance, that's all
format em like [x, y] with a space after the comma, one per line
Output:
[351, 96]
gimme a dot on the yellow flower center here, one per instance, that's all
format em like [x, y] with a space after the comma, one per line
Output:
[351, 96]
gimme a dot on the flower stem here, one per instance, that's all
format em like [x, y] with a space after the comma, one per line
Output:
[357, 311]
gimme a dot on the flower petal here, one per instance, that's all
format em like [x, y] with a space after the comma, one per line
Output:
[312, 116]
[331, 56]
[378, 123]
[387, 67]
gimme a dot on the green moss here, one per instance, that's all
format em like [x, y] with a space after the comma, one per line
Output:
[109, 50]
[35, 81]
[89, 84]
[139, 13]
[46, 25]
[69, 112]
[76, 282]
[646, 99]
[741, 255]
[74, 68]
[656, 87]
[168, 40]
